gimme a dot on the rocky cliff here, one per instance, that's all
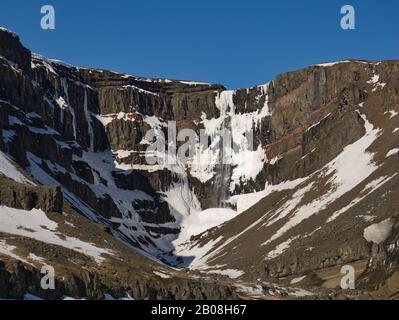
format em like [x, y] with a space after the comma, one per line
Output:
[321, 169]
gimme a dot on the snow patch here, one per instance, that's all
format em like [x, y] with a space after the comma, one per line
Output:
[280, 248]
[8, 250]
[8, 135]
[375, 82]
[368, 189]
[10, 171]
[317, 123]
[231, 273]
[162, 275]
[392, 152]
[34, 257]
[199, 221]
[379, 232]
[29, 296]
[297, 280]
[330, 64]
[36, 225]
[392, 113]
[300, 293]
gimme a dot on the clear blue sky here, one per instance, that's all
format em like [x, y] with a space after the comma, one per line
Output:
[236, 43]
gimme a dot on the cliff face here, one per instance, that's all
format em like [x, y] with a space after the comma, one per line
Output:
[321, 139]
[333, 164]
[84, 129]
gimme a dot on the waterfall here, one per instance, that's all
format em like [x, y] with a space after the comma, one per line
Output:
[224, 102]
[64, 85]
[89, 122]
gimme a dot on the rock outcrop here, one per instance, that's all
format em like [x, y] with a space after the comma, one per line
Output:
[22, 196]
[12, 49]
